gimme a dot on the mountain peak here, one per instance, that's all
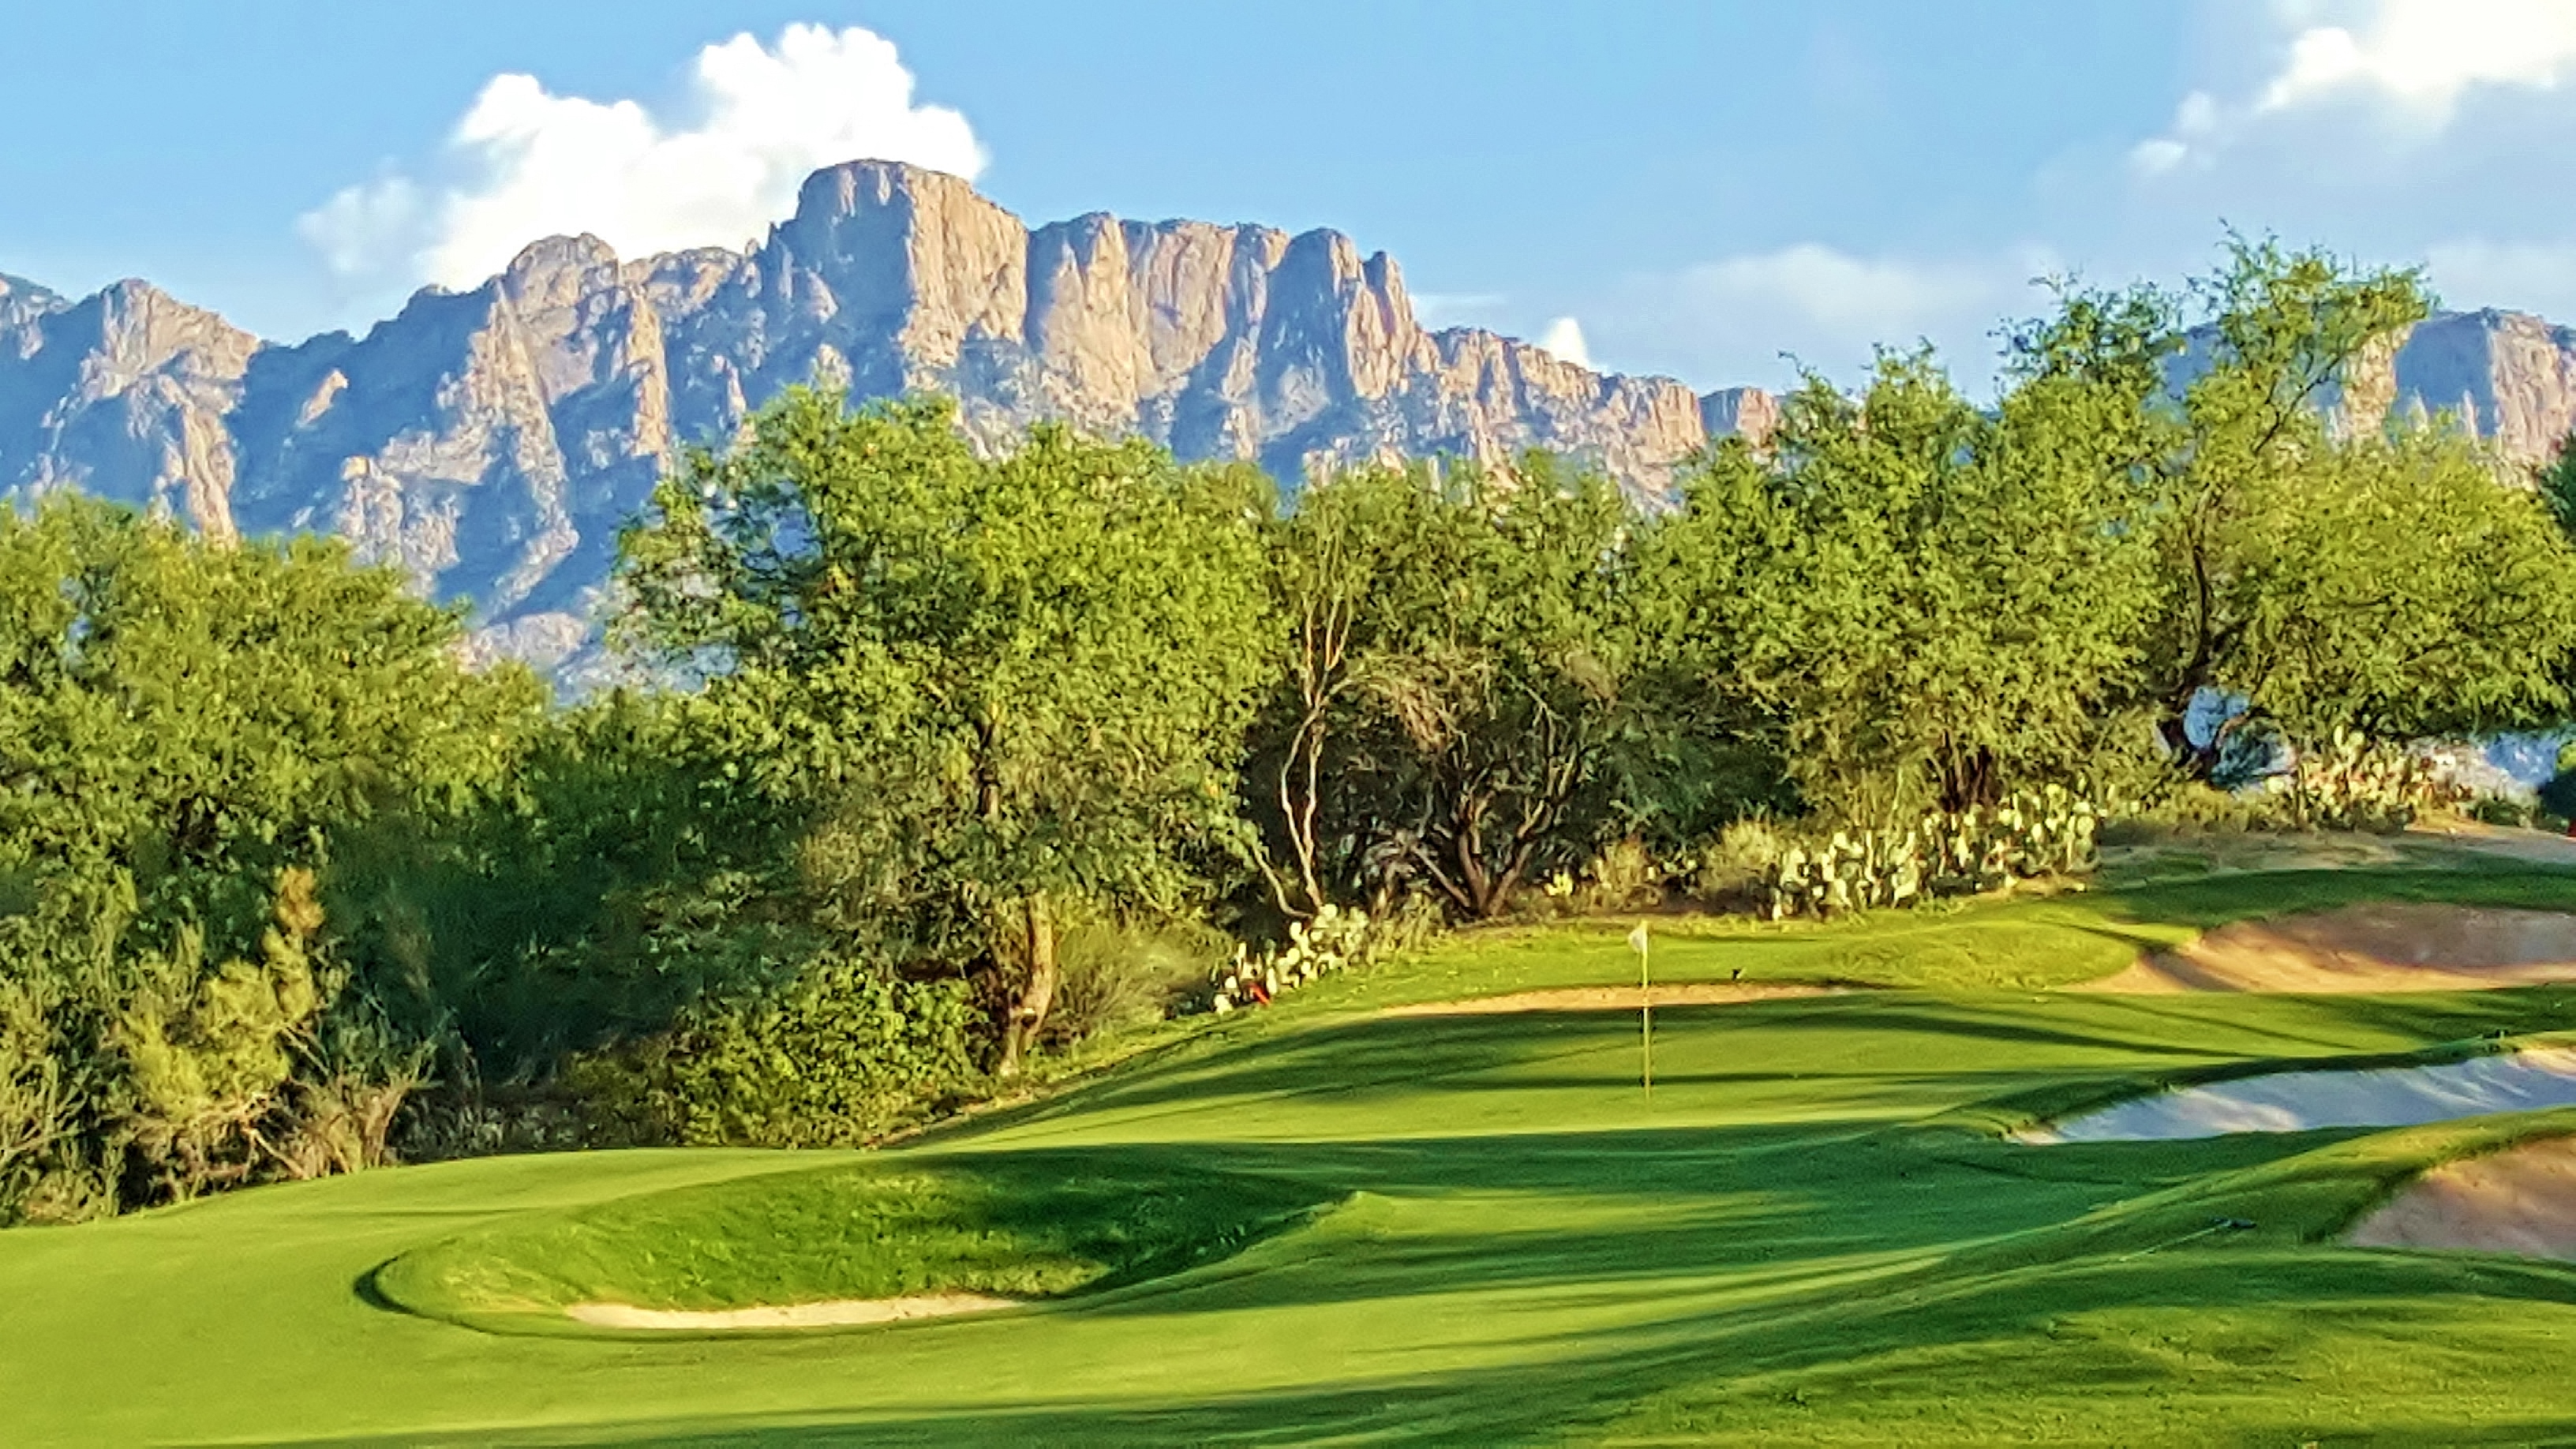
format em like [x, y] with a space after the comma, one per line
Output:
[492, 441]
[852, 185]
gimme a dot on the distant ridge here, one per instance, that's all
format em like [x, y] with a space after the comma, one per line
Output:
[492, 441]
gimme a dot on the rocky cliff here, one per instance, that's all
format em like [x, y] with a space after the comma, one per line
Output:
[2507, 376]
[491, 442]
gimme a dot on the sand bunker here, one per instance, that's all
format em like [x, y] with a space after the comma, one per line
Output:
[2299, 1101]
[2521, 1200]
[793, 1315]
[1611, 998]
[2386, 946]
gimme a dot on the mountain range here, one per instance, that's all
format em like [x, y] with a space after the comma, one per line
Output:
[491, 442]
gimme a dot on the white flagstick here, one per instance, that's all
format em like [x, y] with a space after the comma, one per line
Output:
[1637, 942]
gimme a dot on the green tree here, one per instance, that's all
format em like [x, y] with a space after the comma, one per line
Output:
[1458, 652]
[2407, 594]
[2252, 453]
[991, 683]
[187, 727]
[1928, 603]
[2556, 480]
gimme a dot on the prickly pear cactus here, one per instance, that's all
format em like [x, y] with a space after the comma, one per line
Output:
[1335, 940]
[2047, 832]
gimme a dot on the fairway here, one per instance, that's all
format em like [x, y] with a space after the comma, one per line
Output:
[1470, 1229]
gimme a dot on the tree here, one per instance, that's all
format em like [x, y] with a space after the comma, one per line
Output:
[1458, 651]
[1927, 603]
[187, 728]
[2251, 454]
[2556, 481]
[2407, 594]
[989, 683]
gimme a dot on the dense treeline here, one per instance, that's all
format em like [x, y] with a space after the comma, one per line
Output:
[962, 759]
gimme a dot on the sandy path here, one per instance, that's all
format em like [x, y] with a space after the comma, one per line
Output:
[2521, 1200]
[2385, 946]
[793, 1315]
[1611, 998]
[2301, 1101]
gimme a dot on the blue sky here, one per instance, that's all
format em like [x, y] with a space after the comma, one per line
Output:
[1703, 187]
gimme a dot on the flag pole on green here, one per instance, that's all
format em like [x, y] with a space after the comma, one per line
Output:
[1637, 942]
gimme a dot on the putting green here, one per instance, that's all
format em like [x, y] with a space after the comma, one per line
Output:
[1464, 1229]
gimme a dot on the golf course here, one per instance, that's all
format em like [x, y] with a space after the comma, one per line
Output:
[1377, 1213]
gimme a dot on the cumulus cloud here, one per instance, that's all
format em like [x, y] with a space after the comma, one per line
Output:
[2417, 56]
[1846, 295]
[524, 163]
[1564, 337]
[2424, 53]
[2196, 122]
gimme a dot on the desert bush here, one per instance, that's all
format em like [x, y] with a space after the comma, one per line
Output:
[1624, 875]
[839, 1057]
[2187, 807]
[2352, 782]
[1734, 870]
[1119, 976]
[39, 1097]
[2503, 810]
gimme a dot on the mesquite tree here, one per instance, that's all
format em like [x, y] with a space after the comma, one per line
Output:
[996, 683]
[1458, 653]
[1928, 602]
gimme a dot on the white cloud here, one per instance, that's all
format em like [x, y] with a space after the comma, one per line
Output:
[2196, 121]
[1456, 309]
[2424, 53]
[1564, 337]
[2419, 55]
[2159, 155]
[525, 163]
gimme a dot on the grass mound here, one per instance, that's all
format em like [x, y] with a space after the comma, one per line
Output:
[1033, 1226]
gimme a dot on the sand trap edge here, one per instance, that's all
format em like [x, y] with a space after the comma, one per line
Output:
[2518, 1199]
[2378, 1094]
[2371, 946]
[834, 1313]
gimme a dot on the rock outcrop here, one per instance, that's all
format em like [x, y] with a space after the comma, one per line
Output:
[491, 442]
[2507, 376]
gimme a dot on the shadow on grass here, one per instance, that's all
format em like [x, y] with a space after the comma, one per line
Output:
[2052, 1367]
[1994, 1045]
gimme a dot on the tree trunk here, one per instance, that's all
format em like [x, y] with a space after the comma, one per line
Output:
[1037, 994]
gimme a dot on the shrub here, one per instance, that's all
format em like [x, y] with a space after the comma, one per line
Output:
[839, 1058]
[2501, 810]
[1737, 868]
[1116, 976]
[2352, 782]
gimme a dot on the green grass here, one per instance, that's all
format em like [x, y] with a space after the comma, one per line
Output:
[1468, 1230]
[1031, 1225]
